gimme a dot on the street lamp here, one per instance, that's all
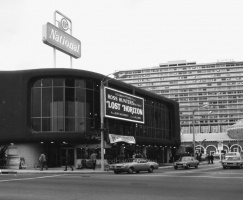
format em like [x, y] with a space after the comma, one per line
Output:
[193, 124]
[201, 144]
[102, 116]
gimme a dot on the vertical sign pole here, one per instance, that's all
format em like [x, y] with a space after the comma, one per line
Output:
[71, 63]
[54, 57]
[193, 132]
[54, 50]
[71, 30]
[102, 125]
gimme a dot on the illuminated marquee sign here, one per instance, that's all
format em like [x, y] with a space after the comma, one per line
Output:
[59, 39]
[124, 106]
[121, 138]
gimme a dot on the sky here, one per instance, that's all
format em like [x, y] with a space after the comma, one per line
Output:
[122, 34]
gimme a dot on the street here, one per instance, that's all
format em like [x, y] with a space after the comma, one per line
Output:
[206, 182]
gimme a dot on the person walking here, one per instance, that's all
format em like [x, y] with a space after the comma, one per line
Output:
[200, 157]
[42, 160]
[68, 163]
[93, 159]
[212, 158]
[208, 158]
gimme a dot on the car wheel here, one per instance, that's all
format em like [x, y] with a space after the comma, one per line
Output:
[130, 171]
[137, 172]
[224, 167]
[196, 166]
[116, 172]
[187, 167]
[150, 170]
[175, 167]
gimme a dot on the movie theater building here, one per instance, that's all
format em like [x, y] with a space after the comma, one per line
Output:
[58, 111]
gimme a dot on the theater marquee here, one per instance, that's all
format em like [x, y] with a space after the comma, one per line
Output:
[121, 138]
[123, 106]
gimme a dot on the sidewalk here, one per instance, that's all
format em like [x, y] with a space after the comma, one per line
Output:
[80, 171]
[61, 170]
[53, 171]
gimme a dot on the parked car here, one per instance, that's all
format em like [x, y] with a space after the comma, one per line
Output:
[186, 162]
[136, 165]
[233, 160]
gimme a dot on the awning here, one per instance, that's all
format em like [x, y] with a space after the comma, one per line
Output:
[121, 138]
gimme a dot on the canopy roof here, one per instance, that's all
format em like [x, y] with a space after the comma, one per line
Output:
[208, 137]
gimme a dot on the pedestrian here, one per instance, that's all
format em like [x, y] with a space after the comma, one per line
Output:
[200, 157]
[212, 158]
[68, 163]
[208, 158]
[93, 159]
[171, 158]
[122, 157]
[42, 160]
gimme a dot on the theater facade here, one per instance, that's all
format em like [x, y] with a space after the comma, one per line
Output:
[58, 110]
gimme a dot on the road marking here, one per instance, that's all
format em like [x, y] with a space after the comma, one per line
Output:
[203, 169]
[230, 173]
[24, 179]
[185, 176]
[191, 171]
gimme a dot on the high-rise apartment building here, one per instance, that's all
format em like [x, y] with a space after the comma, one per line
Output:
[212, 92]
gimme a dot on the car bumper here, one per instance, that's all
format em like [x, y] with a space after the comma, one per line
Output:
[231, 164]
[180, 165]
[118, 169]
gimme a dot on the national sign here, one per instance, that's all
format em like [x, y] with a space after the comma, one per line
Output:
[55, 37]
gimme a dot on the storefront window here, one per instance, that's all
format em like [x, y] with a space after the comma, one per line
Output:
[158, 123]
[64, 105]
[36, 102]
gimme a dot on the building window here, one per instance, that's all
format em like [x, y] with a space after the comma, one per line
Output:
[63, 105]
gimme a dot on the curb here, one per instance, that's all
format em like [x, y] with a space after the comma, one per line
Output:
[8, 172]
[52, 172]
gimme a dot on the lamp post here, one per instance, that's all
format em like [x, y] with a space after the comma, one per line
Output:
[102, 116]
[193, 124]
[201, 144]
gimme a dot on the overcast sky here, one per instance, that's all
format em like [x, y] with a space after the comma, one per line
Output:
[122, 34]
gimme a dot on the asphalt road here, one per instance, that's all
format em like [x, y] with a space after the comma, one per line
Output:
[206, 182]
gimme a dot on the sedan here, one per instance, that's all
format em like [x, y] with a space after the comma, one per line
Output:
[232, 162]
[136, 165]
[186, 162]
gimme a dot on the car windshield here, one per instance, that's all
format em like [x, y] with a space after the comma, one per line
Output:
[140, 160]
[185, 159]
[232, 158]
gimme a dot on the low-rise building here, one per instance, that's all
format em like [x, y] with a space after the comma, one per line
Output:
[58, 111]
